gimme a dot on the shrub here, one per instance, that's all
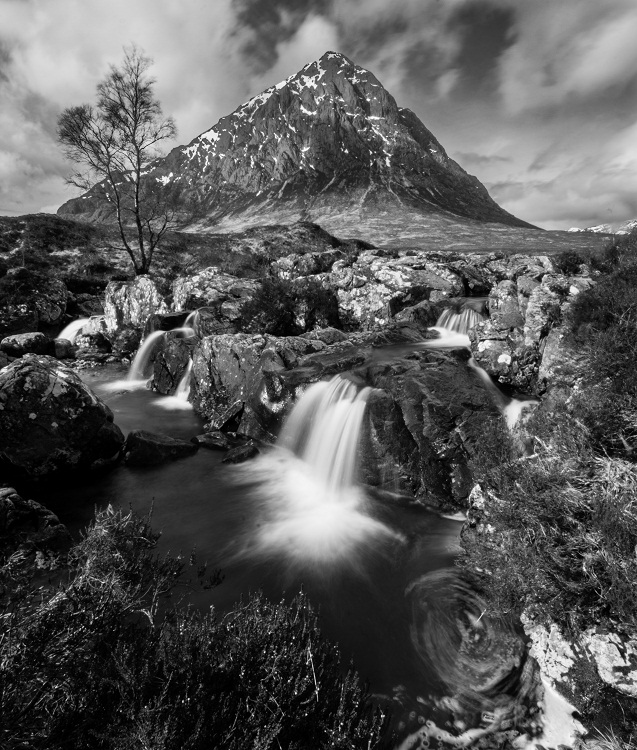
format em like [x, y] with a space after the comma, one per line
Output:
[569, 262]
[289, 308]
[102, 663]
[565, 528]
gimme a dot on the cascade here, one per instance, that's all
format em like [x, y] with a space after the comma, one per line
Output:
[72, 329]
[453, 328]
[191, 320]
[461, 321]
[323, 431]
[312, 510]
[183, 387]
[142, 358]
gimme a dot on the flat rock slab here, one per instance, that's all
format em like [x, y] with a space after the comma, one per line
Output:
[144, 448]
[241, 453]
[220, 441]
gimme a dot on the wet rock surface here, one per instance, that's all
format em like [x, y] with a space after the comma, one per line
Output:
[50, 420]
[143, 448]
[424, 415]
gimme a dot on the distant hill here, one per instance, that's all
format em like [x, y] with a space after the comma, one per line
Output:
[328, 145]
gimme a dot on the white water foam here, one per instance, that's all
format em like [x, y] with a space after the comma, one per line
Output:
[311, 509]
[71, 331]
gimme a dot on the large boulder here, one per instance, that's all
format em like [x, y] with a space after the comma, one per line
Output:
[50, 420]
[236, 377]
[26, 343]
[129, 304]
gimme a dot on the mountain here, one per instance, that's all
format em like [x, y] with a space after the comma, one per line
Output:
[329, 141]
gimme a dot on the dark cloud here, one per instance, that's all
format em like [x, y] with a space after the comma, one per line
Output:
[269, 23]
[485, 30]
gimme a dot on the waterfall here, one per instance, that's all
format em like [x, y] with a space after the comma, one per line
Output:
[72, 329]
[461, 321]
[311, 509]
[324, 428]
[142, 358]
[183, 387]
[453, 329]
[191, 319]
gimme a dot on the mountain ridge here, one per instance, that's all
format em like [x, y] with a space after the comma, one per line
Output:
[328, 137]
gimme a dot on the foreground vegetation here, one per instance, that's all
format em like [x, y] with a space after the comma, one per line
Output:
[102, 661]
[564, 519]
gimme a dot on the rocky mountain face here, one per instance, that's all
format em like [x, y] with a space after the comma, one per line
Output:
[328, 140]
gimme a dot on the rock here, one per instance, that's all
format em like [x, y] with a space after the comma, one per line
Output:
[442, 404]
[50, 420]
[144, 448]
[542, 313]
[24, 343]
[222, 294]
[615, 657]
[125, 342]
[29, 525]
[84, 305]
[64, 349]
[562, 362]
[165, 321]
[241, 453]
[378, 285]
[129, 304]
[326, 335]
[220, 441]
[424, 315]
[171, 356]
[237, 376]
[97, 343]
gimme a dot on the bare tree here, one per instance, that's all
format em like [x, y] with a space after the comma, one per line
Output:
[115, 141]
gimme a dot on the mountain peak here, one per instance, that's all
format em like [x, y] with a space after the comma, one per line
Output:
[326, 138]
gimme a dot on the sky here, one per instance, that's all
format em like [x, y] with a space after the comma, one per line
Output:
[536, 98]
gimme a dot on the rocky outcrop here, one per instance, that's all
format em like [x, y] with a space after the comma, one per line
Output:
[423, 420]
[143, 448]
[50, 420]
[129, 304]
[222, 294]
[528, 313]
[26, 343]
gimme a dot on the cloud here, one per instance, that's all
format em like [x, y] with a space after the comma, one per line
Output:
[536, 98]
[567, 51]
